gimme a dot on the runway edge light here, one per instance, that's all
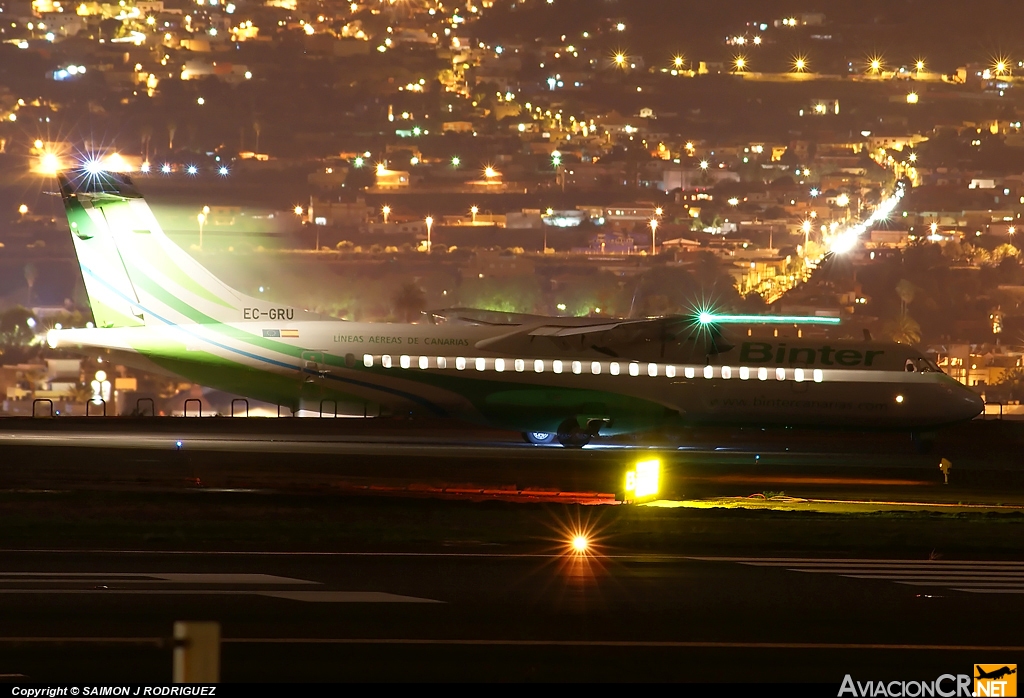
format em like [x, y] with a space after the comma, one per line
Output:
[643, 481]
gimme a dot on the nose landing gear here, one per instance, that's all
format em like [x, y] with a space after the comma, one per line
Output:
[539, 438]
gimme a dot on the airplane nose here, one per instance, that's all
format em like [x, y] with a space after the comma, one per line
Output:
[969, 404]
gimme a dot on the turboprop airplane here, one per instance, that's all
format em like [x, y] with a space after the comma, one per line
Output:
[553, 379]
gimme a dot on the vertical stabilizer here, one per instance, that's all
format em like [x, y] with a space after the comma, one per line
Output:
[134, 274]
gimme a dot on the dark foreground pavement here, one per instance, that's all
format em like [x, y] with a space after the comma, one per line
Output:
[488, 616]
[484, 614]
[104, 547]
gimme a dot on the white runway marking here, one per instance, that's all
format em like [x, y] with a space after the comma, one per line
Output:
[152, 578]
[978, 577]
[307, 596]
[345, 597]
[109, 584]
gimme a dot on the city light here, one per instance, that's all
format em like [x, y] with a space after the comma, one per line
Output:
[223, 171]
[800, 64]
[385, 211]
[49, 164]
[456, 161]
[741, 64]
[192, 170]
[580, 544]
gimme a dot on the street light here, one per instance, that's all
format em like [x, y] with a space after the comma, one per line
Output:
[474, 210]
[386, 210]
[430, 223]
[654, 235]
[202, 220]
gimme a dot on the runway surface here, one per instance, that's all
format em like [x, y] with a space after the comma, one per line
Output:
[78, 616]
[772, 556]
[441, 459]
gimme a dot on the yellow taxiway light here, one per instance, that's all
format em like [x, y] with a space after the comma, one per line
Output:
[644, 480]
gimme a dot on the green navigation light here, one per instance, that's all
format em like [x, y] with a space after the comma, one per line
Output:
[706, 318]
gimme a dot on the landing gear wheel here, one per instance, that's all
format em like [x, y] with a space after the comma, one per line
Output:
[539, 438]
[570, 435]
[574, 440]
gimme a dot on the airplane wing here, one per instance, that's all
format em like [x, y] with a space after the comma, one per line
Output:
[612, 338]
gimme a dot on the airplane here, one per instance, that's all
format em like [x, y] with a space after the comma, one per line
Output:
[553, 379]
[996, 673]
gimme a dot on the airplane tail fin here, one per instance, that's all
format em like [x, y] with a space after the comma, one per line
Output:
[134, 274]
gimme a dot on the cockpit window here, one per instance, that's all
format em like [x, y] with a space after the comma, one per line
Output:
[921, 365]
